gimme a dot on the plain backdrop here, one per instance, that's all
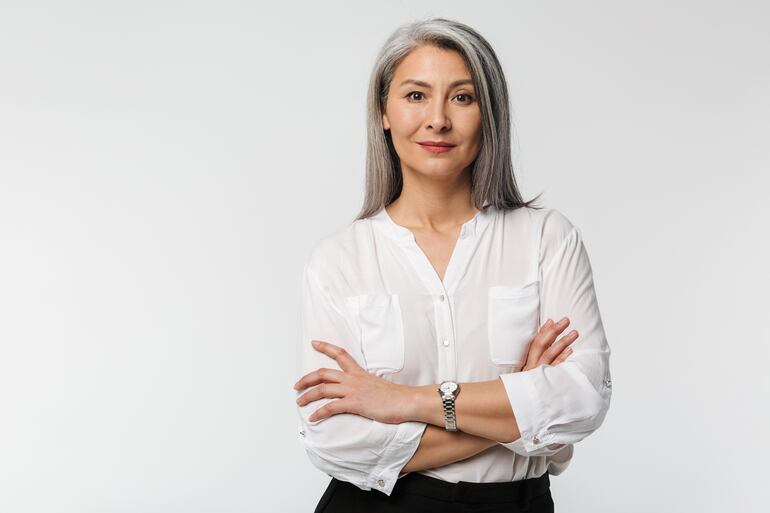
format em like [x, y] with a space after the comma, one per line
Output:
[166, 167]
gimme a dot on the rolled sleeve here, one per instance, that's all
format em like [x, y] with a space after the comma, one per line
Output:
[349, 447]
[556, 406]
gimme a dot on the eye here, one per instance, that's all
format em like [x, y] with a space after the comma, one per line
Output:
[409, 96]
[468, 97]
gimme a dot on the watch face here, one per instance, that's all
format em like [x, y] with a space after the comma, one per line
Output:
[448, 387]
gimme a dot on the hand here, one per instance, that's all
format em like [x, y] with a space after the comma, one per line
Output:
[542, 349]
[359, 391]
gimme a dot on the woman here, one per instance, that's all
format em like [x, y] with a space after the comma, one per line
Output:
[426, 380]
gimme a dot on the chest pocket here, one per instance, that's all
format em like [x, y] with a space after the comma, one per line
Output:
[381, 326]
[512, 322]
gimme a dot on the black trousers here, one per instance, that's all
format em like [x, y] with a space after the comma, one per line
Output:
[418, 493]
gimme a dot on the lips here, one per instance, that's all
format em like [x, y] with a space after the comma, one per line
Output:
[436, 143]
[436, 147]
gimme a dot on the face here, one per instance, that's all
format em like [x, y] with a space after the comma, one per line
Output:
[432, 98]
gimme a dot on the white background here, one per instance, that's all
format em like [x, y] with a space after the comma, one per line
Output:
[166, 167]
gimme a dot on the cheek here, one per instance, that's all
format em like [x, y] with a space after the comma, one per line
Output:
[404, 121]
[474, 131]
[403, 135]
[474, 123]
[469, 125]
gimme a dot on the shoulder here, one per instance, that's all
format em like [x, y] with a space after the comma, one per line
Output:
[334, 250]
[553, 224]
[555, 231]
[550, 224]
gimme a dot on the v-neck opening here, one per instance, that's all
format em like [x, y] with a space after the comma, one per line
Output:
[407, 234]
[458, 259]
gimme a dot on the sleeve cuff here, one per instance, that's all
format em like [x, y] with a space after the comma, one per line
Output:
[527, 410]
[518, 447]
[396, 455]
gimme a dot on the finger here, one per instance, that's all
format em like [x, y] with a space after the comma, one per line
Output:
[557, 349]
[328, 409]
[318, 376]
[559, 327]
[534, 350]
[343, 358]
[321, 391]
[562, 357]
[549, 334]
[558, 346]
[544, 339]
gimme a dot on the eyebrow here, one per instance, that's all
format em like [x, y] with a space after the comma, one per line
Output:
[427, 85]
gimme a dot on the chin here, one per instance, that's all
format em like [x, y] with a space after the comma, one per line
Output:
[441, 171]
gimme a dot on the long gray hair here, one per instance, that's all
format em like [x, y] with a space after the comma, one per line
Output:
[492, 178]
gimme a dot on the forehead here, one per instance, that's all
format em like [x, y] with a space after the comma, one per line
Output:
[431, 64]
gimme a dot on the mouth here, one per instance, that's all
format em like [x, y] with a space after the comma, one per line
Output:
[436, 146]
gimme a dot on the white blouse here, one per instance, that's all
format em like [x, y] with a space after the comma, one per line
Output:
[370, 289]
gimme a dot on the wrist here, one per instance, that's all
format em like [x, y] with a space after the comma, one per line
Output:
[425, 405]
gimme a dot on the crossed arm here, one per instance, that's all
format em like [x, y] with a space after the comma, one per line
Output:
[547, 406]
[484, 414]
[439, 447]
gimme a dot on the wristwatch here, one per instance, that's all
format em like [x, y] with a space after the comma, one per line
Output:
[449, 390]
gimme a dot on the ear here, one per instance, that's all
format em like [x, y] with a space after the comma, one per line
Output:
[385, 122]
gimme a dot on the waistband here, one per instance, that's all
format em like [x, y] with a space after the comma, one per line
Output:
[475, 493]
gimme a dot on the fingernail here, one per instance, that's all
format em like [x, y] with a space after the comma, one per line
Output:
[563, 320]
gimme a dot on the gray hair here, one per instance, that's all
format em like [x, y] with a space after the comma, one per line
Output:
[492, 178]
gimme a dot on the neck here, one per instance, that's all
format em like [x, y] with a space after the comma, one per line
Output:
[427, 203]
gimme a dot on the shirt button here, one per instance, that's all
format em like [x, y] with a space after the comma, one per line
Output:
[441, 298]
[608, 383]
[301, 433]
[446, 342]
[381, 482]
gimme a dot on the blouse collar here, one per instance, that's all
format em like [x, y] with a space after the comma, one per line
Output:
[401, 234]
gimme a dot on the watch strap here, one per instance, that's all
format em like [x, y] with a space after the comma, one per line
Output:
[450, 419]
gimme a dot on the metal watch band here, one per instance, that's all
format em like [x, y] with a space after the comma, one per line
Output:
[449, 412]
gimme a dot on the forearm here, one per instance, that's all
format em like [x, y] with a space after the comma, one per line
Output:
[439, 447]
[482, 408]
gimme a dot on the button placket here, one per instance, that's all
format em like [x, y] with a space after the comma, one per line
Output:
[441, 314]
[446, 307]
[446, 355]
[441, 291]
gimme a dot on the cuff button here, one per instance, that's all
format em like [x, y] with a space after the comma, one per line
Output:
[381, 482]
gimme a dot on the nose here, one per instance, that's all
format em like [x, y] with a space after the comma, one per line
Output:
[437, 116]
